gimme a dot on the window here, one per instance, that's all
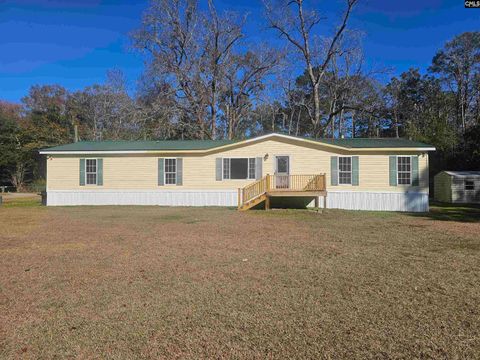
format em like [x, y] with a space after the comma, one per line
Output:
[170, 171]
[91, 172]
[469, 185]
[404, 170]
[344, 170]
[239, 168]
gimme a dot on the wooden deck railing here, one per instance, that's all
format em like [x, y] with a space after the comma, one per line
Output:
[273, 183]
[297, 182]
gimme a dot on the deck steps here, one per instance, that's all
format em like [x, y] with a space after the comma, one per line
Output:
[254, 202]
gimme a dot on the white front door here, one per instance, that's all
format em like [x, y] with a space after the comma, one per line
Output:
[282, 172]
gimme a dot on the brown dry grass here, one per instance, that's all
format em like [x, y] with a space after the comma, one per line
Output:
[149, 282]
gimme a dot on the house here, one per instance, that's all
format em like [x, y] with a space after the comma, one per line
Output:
[457, 186]
[364, 174]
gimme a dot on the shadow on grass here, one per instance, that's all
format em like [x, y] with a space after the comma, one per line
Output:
[452, 212]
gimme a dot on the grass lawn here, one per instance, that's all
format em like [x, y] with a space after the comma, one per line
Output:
[150, 282]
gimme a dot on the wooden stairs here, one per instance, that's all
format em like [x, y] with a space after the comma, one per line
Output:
[253, 202]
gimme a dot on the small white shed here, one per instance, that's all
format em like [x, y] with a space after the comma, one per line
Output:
[457, 186]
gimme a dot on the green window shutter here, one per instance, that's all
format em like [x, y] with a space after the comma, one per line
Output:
[258, 168]
[100, 172]
[218, 169]
[161, 180]
[82, 172]
[334, 170]
[179, 172]
[355, 171]
[415, 177]
[393, 170]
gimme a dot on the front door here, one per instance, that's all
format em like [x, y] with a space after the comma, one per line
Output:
[282, 170]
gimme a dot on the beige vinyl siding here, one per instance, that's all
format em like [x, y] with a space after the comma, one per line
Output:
[140, 171]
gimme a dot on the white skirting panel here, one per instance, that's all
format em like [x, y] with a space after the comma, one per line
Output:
[143, 197]
[349, 200]
[382, 201]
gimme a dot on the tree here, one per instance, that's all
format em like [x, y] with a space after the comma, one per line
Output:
[458, 66]
[296, 24]
[421, 110]
[15, 156]
[243, 84]
[191, 50]
[223, 33]
[106, 111]
[46, 116]
[159, 118]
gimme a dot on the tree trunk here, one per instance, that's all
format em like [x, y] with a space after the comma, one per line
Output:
[298, 121]
[317, 112]
[292, 112]
[273, 120]
[213, 112]
[333, 127]
[395, 116]
[353, 124]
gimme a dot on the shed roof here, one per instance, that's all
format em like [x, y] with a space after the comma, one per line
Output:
[463, 173]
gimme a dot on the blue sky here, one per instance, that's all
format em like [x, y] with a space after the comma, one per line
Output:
[74, 42]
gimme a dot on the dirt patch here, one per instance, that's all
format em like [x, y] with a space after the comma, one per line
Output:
[151, 282]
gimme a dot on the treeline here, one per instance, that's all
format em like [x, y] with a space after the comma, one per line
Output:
[204, 79]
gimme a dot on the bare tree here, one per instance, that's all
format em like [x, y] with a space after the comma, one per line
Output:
[339, 84]
[297, 24]
[191, 49]
[107, 108]
[243, 84]
[458, 64]
[224, 32]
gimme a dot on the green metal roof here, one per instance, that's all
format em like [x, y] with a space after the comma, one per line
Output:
[140, 145]
[172, 145]
[362, 143]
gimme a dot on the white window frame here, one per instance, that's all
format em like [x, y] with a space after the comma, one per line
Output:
[223, 168]
[338, 171]
[87, 172]
[398, 172]
[254, 168]
[230, 168]
[169, 172]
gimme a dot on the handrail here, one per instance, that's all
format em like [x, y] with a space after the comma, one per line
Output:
[281, 183]
[253, 190]
[297, 182]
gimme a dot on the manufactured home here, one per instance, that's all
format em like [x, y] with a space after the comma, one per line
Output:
[461, 187]
[358, 174]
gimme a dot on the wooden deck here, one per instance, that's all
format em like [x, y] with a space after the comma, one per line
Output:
[281, 186]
